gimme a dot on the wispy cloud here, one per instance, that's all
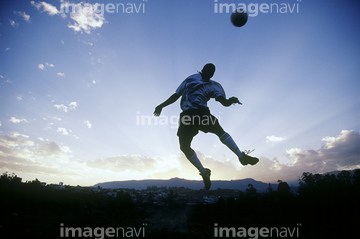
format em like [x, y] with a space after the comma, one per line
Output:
[13, 23]
[61, 74]
[45, 7]
[6, 80]
[45, 66]
[17, 121]
[25, 16]
[71, 106]
[274, 138]
[84, 15]
[88, 124]
[61, 107]
[63, 131]
[66, 132]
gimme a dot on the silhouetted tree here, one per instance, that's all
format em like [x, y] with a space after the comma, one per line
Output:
[283, 187]
[251, 193]
[124, 199]
[270, 189]
[344, 178]
[35, 182]
[12, 179]
[356, 178]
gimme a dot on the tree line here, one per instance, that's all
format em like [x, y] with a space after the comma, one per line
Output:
[323, 206]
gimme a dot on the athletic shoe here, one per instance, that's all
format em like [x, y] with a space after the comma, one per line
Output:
[206, 178]
[247, 159]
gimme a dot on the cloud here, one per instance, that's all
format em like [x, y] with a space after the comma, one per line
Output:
[72, 106]
[18, 164]
[13, 23]
[20, 154]
[45, 66]
[61, 74]
[15, 140]
[88, 124]
[61, 107]
[274, 138]
[337, 153]
[340, 152]
[51, 149]
[17, 121]
[66, 132]
[46, 7]
[63, 131]
[23, 15]
[85, 17]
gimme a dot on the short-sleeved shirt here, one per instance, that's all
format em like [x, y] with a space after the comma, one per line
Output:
[196, 92]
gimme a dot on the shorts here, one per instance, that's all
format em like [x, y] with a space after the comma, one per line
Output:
[191, 121]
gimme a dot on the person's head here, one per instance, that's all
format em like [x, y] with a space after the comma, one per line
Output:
[208, 71]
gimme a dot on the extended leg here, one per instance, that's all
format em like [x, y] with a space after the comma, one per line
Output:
[244, 159]
[226, 139]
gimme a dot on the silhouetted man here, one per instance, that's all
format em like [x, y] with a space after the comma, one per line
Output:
[195, 92]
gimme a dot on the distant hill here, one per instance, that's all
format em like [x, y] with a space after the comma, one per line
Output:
[191, 184]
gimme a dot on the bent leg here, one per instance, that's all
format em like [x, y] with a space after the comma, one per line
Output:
[185, 142]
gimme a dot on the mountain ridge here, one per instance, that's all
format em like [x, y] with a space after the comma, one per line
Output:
[238, 184]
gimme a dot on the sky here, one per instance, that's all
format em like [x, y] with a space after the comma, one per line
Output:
[79, 81]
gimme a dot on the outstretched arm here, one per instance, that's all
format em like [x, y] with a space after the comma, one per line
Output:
[167, 102]
[228, 102]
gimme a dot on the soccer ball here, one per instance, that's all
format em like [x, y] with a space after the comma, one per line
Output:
[239, 17]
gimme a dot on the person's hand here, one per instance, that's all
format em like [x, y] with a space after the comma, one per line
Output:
[234, 100]
[157, 111]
